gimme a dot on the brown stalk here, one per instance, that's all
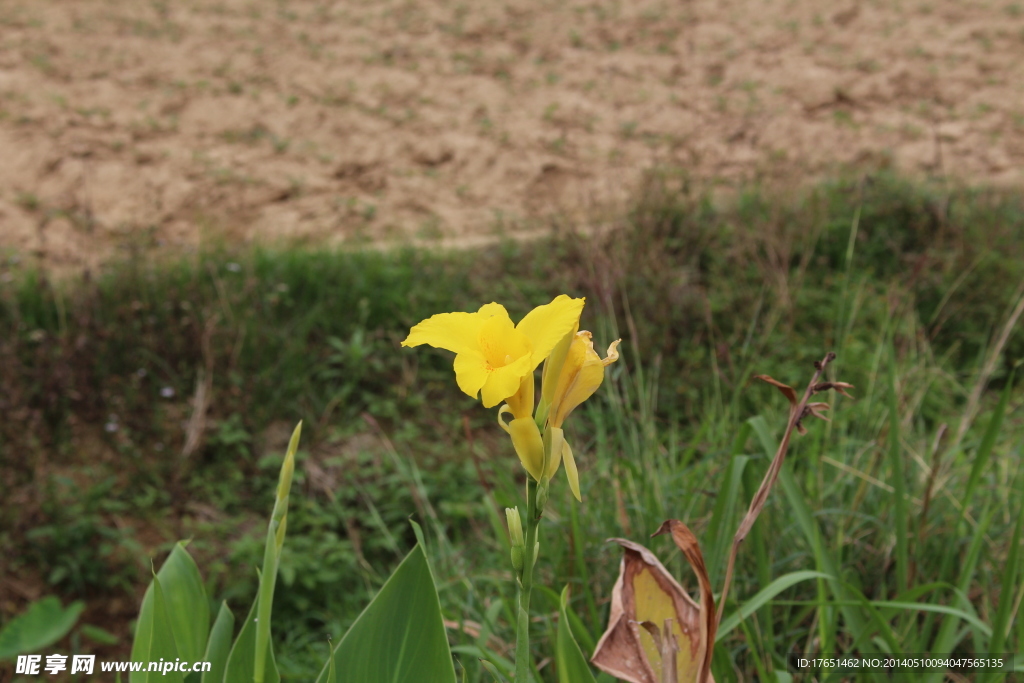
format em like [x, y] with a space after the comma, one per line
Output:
[797, 412]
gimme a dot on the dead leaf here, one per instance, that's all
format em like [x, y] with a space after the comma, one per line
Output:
[687, 542]
[646, 597]
[786, 390]
[838, 386]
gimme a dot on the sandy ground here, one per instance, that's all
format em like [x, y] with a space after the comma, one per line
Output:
[158, 125]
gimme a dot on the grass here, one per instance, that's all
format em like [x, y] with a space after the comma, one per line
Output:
[908, 501]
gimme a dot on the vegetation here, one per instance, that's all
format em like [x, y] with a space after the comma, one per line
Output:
[910, 499]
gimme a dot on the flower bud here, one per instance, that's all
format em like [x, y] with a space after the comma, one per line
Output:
[517, 559]
[542, 495]
[515, 528]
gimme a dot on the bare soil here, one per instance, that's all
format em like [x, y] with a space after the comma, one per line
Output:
[160, 125]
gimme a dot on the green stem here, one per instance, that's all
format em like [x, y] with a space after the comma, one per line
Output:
[526, 584]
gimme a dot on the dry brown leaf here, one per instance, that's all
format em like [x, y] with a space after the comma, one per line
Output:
[786, 390]
[647, 597]
[687, 542]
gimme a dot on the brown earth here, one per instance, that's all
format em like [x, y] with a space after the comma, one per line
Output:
[158, 125]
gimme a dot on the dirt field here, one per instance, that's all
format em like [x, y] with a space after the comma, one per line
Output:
[156, 125]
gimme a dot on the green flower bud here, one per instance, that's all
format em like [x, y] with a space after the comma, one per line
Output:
[515, 531]
[517, 559]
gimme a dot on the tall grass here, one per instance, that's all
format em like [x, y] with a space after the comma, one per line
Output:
[894, 527]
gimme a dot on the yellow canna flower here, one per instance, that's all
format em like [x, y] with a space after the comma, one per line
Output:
[494, 358]
[580, 375]
[572, 374]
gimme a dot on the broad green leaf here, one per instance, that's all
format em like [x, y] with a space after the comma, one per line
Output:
[763, 597]
[219, 645]
[162, 647]
[42, 624]
[188, 611]
[239, 668]
[572, 665]
[400, 636]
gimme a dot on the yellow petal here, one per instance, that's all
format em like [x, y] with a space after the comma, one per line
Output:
[501, 423]
[501, 343]
[521, 402]
[493, 309]
[570, 470]
[456, 332]
[546, 325]
[581, 375]
[553, 365]
[504, 382]
[554, 447]
[529, 445]
[471, 371]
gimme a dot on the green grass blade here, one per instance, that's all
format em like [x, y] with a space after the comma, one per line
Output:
[805, 520]
[493, 670]
[400, 636]
[271, 557]
[763, 597]
[898, 481]
[981, 458]
[947, 638]
[572, 665]
[1007, 591]
[722, 526]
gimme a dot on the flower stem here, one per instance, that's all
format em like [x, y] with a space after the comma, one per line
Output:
[526, 584]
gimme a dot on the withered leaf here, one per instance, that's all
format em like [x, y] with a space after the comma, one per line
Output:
[646, 592]
[786, 390]
[840, 387]
[687, 542]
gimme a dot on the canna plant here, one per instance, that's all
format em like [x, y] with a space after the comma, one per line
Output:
[496, 360]
[656, 633]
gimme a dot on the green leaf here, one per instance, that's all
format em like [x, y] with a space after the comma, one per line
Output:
[42, 624]
[1001, 623]
[98, 635]
[763, 597]
[240, 668]
[572, 665]
[493, 670]
[219, 646]
[332, 672]
[161, 644]
[721, 527]
[809, 526]
[271, 557]
[187, 612]
[400, 636]
[898, 478]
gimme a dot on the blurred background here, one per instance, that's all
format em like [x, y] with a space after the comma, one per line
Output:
[219, 218]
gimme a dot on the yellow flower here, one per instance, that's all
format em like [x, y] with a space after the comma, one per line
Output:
[494, 358]
[579, 376]
[572, 374]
